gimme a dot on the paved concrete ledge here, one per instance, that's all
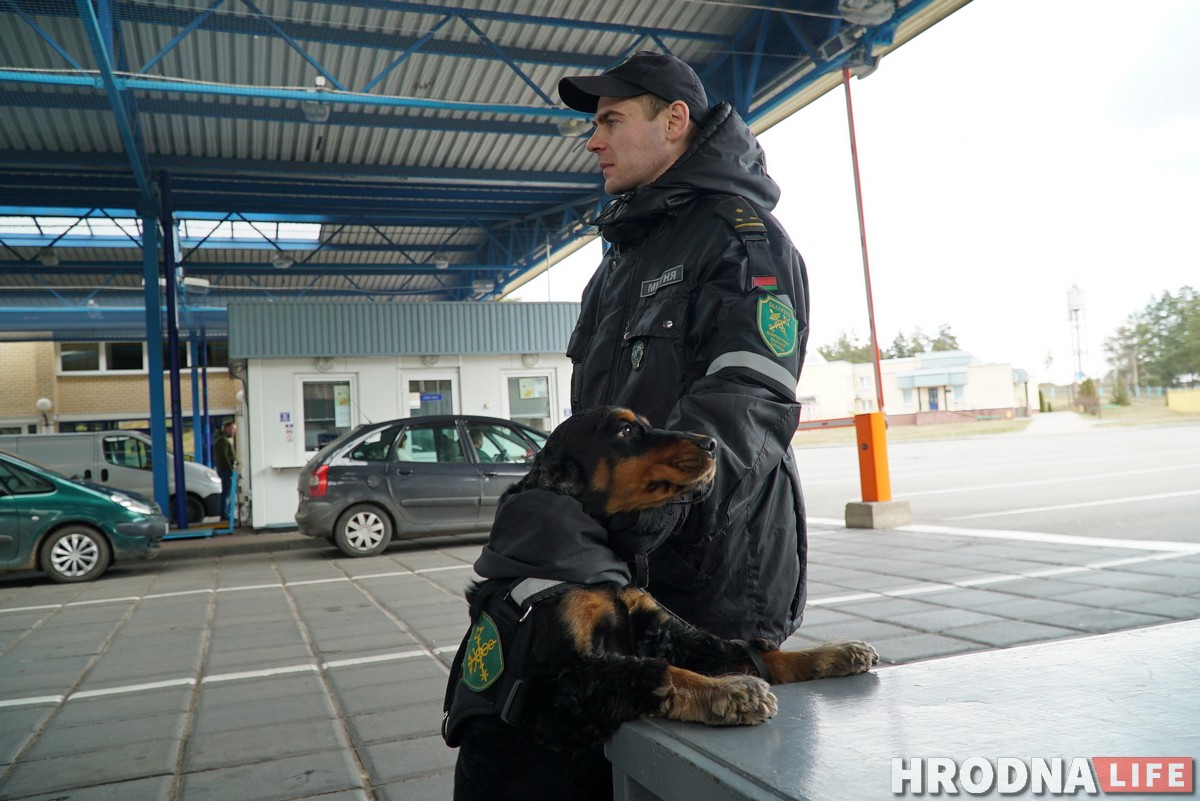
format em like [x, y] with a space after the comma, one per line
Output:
[873, 736]
[878, 514]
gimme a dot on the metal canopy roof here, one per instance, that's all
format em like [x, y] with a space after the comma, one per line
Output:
[425, 138]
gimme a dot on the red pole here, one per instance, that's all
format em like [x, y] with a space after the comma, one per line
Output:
[870, 428]
[862, 233]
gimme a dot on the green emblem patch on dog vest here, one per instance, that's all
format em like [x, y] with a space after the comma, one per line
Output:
[485, 661]
[777, 325]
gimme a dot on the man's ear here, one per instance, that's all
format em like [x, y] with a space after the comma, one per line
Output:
[678, 117]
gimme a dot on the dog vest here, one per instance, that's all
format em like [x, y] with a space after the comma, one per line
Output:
[487, 676]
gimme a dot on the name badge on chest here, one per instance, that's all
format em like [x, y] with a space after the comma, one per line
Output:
[671, 276]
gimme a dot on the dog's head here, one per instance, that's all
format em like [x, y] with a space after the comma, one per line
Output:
[614, 461]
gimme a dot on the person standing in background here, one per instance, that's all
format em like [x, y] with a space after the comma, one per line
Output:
[225, 457]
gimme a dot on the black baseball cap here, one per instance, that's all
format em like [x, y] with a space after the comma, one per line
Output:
[644, 71]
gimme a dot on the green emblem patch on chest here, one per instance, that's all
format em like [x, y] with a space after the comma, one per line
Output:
[777, 325]
[484, 661]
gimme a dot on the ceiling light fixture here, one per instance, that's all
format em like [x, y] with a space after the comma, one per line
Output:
[441, 264]
[573, 126]
[314, 110]
[282, 261]
[48, 257]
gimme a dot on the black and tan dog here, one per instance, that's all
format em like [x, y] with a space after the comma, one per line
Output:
[563, 649]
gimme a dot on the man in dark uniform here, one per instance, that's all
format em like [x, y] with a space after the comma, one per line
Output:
[698, 319]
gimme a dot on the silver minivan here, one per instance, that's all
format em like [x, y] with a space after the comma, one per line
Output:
[119, 459]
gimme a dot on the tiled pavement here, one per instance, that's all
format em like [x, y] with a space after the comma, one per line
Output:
[257, 667]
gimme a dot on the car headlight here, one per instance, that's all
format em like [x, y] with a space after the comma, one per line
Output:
[135, 506]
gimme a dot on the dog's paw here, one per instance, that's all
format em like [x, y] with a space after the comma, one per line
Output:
[851, 657]
[741, 700]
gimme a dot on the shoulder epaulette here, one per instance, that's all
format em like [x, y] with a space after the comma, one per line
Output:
[742, 217]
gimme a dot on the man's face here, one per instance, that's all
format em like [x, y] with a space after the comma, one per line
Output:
[631, 150]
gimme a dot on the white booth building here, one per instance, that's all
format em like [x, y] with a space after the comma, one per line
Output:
[944, 386]
[314, 370]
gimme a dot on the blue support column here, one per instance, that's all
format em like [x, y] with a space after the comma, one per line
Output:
[198, 429]
[154, 362]
[179, 512]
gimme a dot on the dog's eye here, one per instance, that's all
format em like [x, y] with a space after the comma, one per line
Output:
[625, 431]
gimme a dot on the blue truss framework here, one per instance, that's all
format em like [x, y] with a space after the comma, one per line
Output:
[516, 219]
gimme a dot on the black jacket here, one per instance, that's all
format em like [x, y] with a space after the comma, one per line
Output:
[698, 319]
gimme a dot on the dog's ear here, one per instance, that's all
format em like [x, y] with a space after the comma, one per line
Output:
[555, 471]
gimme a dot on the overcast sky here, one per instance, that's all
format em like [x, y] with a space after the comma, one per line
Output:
[1017, 148]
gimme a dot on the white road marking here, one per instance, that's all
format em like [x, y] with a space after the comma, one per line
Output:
[1172, 546]
[41, 699]
[1084, 505]
[133, 688]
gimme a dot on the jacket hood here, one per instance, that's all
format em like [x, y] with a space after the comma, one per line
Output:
[725, 159]
[541, 534]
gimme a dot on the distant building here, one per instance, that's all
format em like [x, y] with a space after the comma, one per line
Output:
[940, 387]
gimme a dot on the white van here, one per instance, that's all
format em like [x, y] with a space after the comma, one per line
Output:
[120, 459]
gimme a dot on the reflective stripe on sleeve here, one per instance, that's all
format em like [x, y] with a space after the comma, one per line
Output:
[756, 363]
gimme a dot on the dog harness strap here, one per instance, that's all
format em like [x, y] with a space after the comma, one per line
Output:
[760, 664]
[529, 591]
[502, 607]
[513, 697]
[641, 571]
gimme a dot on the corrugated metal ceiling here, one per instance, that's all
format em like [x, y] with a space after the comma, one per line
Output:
[431, 156]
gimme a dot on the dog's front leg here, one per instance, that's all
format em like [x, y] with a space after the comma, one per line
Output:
[716, 700]
[822, 662]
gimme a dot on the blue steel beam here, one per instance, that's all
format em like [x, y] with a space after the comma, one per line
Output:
[32, 161]
[126, 124]
[275, 93]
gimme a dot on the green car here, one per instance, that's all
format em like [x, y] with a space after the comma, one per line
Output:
[71, 530]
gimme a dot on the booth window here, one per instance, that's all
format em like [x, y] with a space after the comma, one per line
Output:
[529, 400]
[326, 412]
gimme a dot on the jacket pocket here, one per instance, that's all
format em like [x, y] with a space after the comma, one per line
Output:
[653, 338]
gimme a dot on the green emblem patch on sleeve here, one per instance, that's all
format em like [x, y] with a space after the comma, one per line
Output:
[777, 325]
[484, 661]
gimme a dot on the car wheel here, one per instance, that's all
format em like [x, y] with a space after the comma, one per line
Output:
[195, 509]
[75, 553]
[362, 530]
